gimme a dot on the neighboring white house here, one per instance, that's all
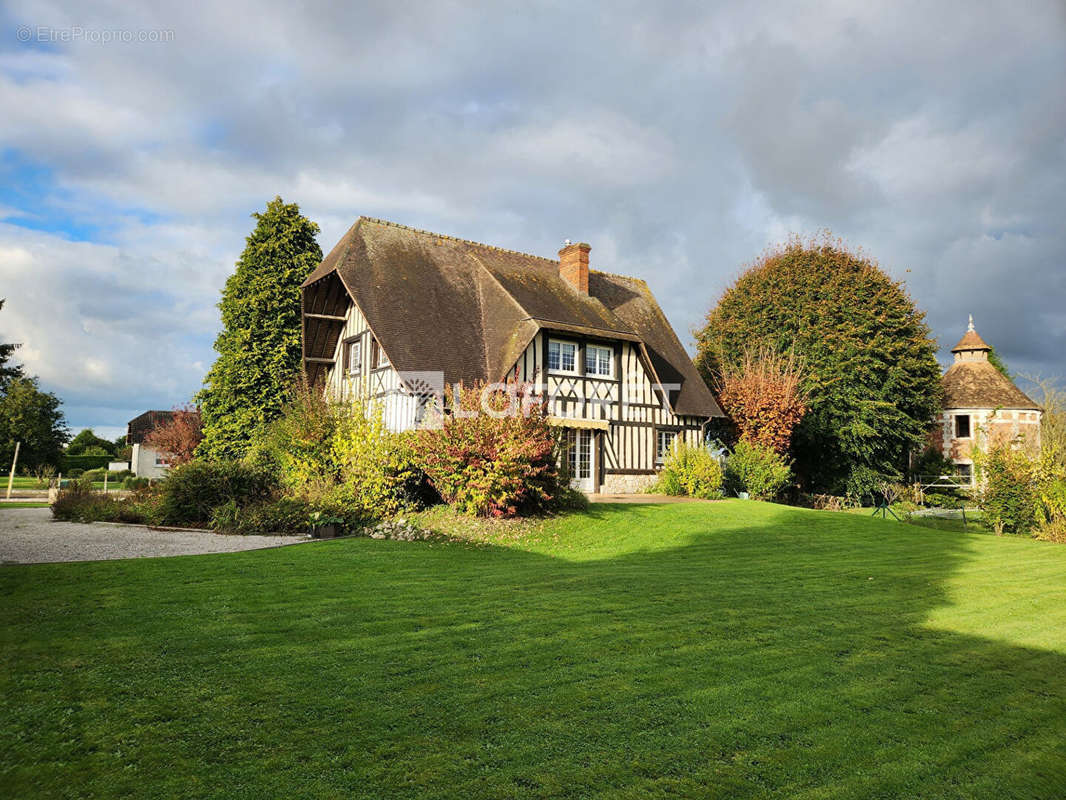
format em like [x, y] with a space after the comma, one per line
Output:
[398, 314]
[146, 461]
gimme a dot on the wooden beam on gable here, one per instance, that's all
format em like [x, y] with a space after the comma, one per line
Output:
[327, 317]
[315, 360]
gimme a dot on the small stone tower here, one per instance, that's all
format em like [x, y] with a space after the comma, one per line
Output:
[982, 405]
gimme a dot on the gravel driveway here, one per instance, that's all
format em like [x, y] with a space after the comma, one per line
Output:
[29, 536]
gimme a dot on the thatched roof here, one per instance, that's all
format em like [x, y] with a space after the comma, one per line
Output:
[437, 303]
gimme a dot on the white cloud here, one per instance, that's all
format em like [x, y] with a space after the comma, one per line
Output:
[102, 326]
[915, 159]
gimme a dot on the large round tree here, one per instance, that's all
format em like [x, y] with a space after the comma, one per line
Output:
[259, 348]
[871, 375]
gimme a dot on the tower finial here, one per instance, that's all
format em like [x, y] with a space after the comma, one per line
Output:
[971, 323]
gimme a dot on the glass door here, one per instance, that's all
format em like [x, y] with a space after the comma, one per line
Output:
[581, 458]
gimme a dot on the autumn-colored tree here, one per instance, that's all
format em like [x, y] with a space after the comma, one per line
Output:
[764, 397]
[178, 437]
[870, 369]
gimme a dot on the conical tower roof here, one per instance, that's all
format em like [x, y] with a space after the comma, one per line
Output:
[973, 382]
[970, 340]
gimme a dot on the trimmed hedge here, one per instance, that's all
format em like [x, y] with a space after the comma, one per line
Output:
[67, 463]
[192, 492]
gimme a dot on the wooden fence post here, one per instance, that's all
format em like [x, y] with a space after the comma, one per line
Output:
[11, 476]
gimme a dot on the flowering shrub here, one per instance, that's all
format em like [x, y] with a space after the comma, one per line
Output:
[1051, 513]
[690, 471]
[757, 470]
[298, 445]
[500, 461]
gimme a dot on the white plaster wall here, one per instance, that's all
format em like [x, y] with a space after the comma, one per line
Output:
[142, 462]
[382, 387]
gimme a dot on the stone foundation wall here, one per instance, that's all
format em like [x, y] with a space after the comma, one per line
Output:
[627, 484]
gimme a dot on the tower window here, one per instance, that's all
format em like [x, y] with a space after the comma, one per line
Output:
[962, 426]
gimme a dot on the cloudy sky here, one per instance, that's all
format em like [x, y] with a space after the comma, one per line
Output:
[679, 139]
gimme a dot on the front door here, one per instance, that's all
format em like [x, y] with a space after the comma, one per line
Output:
[581, 455]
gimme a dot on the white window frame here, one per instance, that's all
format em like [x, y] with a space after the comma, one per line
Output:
[559, 369]
[355, 365]
[599, 348]
[381, 359]
[660, 454]
[580, 453]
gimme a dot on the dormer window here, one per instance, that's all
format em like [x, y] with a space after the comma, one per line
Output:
[562, 356]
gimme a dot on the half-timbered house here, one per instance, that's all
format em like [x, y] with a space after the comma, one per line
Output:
[397, 314]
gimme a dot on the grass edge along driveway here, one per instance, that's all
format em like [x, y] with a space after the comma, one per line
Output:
[710, 649]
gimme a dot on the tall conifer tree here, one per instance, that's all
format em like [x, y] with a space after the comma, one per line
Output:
[259, 347]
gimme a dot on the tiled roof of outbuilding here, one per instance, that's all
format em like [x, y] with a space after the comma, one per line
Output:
[978, 384]
[970, 341]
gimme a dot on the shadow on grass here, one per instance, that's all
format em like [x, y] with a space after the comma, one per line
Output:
[784, 659]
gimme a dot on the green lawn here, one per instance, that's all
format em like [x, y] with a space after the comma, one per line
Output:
[733, 649]
[972, 524]
[22, 504]
[24, 482]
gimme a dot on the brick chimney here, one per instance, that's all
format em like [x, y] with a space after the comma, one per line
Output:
[574, 266]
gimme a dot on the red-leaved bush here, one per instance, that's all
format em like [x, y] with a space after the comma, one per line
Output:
[494, 454]
[764, 397]
[179, 436]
